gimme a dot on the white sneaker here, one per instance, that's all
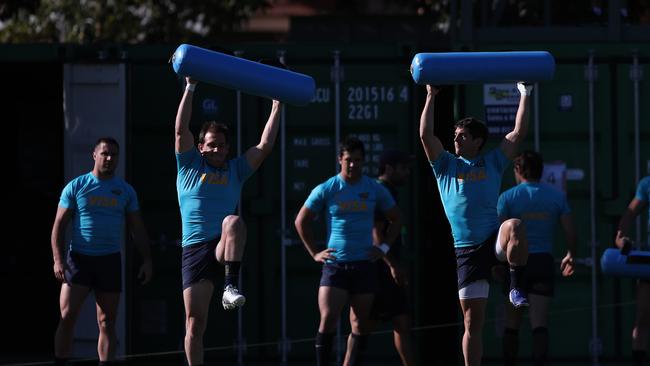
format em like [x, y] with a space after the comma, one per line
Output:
[232, 298]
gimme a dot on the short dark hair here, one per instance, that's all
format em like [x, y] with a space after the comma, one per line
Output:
[476, 128]
[529, 164]
[351, 144]
[393, 157]
[107, 140]
[214, 127]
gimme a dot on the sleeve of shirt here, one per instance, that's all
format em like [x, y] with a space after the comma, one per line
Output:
[186, 158]
[502, 206]
[643, 190]
[244, 170]
[316, 199]
[441, 165]
[68, 199]
[132, 204]
[384, 199]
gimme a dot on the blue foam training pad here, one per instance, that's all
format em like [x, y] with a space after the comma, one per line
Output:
[240, 74]
[482, 67]
[634, 265]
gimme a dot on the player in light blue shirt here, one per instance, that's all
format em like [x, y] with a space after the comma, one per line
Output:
[100, 207]
[469, 184]
[97, 203]
[539, 206]
[348, 201]
[208, 186]
[346, 206]
[641, 329]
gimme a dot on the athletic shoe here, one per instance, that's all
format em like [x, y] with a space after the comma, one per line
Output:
[517, 298]
[232, 298]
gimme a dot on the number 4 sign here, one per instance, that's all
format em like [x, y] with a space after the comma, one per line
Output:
[555, 175]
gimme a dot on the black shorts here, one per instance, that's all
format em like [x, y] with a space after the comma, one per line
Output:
[475, 263]
[358, 277]
[540, 275]
[101, 273]
[199, 263]
[391, 300]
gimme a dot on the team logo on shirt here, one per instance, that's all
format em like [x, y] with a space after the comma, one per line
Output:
[102, 201]
[211, 178]
[353, 206]
[473, 175]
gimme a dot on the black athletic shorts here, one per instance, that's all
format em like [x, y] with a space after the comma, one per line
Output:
[199, 262]
[475, 263]
[357, 277]
[101, 273]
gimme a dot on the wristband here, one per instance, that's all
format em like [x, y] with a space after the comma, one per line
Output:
[190, 87]
[524, 89]
[384, 248]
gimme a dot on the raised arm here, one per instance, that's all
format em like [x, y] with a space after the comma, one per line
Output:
[431, 144]
[141, 239]
[512, 140]
[567, 265]
[61, 220]
[184, 140]
[306, 233]
[256, 154]
[633, 209]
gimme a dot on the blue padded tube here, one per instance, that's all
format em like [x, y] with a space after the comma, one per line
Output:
[240, 74]
[634, 265]
[482, 67]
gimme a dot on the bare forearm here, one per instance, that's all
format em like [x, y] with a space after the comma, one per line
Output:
[431, 144]
[569, 233]
[521, 121]
[57, 244]
[571, 244]
[626, 222]
[392, 232]
[270, 133]
[426, 119]
[389, 260]
[307, 237]
[143, 245]
[184, 113]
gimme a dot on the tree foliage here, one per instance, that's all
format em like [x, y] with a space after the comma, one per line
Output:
[128, 21]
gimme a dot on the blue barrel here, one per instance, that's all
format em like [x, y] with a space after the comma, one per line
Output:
[482, 67]
[240, 74]
[634, 265]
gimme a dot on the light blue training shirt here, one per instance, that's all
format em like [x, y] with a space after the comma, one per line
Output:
[469, 190]
[643, 194]
[99, 208]
[350, 210]
[206, 195]
[540, 207]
